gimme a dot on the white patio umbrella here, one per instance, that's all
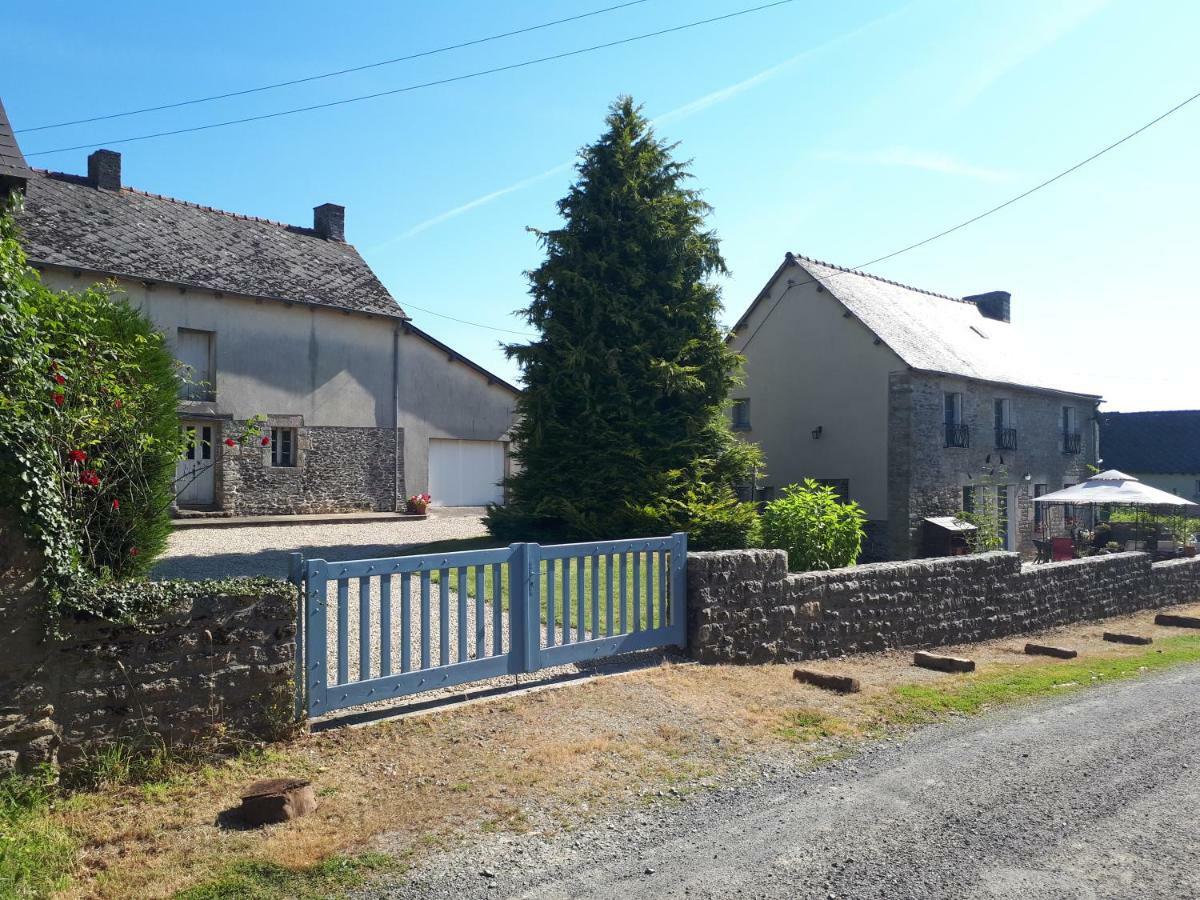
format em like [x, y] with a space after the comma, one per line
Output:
[1113, 487]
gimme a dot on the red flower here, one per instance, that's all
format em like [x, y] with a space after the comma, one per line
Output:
[230, 442]
[90, 478]
[58, 399]
[265, 441]
[133, 551]
[116, 504]
[77, 456]
[59, 378]
[118, 403]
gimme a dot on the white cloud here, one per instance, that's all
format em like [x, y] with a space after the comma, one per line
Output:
[1050, 23]
[681, 112]
[906, 158]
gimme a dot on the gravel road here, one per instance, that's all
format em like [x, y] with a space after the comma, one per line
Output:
[197, 553]
[1090, 796]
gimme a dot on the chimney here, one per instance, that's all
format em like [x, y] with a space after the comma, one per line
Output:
[329, 221]
[994, 305]
[104, 170]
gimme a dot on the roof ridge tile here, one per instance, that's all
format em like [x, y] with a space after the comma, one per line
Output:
[908, 287]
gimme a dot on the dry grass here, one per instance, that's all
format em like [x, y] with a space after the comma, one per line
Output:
[534, 761]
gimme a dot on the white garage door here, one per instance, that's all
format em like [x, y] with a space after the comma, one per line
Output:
[465, 473]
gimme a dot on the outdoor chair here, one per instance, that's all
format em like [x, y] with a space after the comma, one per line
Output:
[1043, 551]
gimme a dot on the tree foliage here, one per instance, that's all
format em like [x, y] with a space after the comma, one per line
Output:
[814, 526]
[621, 427]
[89, 435]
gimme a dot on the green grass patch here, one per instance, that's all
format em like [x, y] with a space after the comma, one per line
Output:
[916, 704]
[642, 592]
[266, 881]
[36, 855]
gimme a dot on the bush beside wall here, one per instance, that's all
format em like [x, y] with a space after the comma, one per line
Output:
[744, 607]
[216, 667]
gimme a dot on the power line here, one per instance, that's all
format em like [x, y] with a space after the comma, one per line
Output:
[995, 209]
[466, 322]
[417, 87]
[334, 74]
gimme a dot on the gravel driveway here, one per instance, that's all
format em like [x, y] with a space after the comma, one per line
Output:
[1088, 796]
[196, 553]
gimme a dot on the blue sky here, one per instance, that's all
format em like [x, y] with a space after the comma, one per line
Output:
[840, 131]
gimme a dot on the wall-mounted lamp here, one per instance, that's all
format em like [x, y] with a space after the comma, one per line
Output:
[816, 432]
[1027, 477]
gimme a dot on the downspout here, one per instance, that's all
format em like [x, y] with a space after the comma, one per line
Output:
[397, 437]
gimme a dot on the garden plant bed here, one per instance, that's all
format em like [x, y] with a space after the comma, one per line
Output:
[539, 761]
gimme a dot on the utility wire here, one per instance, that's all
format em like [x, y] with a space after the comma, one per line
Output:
[416, 87]
[466, 322]
[334, 74]
[983, 215]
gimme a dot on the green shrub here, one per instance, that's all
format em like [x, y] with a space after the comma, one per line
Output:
[89, 435]
[710, 513]
[817, 530]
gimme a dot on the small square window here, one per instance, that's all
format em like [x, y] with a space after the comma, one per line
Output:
[741, 415]
[283, 447]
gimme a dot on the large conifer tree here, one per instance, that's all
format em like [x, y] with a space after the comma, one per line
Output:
[622, 428]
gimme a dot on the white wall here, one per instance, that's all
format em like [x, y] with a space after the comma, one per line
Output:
[808, 366]
[331, 367]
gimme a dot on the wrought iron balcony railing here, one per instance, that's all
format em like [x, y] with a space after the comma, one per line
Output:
[1006, 439]
[958, 435]
[197, 392]
[1072, 443]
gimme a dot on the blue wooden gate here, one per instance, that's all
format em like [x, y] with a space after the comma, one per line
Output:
[372, 630]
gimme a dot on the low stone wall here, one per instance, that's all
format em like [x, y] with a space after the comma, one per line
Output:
[218, 666]
[744, 606]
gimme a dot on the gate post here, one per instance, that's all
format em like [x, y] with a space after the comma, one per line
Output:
[533, 607]
[316, 648]
[296, 578]
[679, 589]
[518, 602]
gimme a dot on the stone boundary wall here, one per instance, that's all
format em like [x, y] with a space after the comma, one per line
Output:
[217, 667]
[744, 606]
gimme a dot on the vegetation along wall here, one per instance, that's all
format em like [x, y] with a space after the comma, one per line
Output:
[214, 668]
[744, 606]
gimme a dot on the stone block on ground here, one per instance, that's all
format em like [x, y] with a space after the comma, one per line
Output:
[943, 663]
[273, 800]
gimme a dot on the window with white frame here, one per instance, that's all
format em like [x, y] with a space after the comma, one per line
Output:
[283, 447]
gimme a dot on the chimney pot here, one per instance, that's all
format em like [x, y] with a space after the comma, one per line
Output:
[329, 221]
[104, 170]
[993, 305]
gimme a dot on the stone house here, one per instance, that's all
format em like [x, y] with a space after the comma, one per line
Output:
[911, 403]
[363, 407]
[1161, 448]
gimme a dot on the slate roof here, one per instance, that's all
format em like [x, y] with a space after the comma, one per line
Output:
[1162, 443]
[147, 237]
[12, 160]
[934, 332]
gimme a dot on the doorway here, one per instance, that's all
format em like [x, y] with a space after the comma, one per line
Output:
[194, 473]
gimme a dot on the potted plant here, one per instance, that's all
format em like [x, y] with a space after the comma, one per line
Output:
[417, 504]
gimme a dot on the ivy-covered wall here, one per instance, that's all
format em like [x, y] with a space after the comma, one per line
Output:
[215, 667]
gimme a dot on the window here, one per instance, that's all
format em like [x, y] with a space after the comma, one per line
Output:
[1072, 440]
[1002, 514]
[283, 447]
[841, 487]
[741, 415]
[1006, 432]
[968, 503]
[1038, 508]
[194, 350]
[199, 442]
[957, 434]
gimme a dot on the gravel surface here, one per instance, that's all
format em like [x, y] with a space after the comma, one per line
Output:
[197, 553]
[1092, 795]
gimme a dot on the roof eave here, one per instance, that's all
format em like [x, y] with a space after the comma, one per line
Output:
[1063, 392]
[493, 379]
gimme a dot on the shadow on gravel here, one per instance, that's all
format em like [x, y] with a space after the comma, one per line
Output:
[272, 563]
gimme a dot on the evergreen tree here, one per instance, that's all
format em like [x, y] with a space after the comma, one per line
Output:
[622, 430]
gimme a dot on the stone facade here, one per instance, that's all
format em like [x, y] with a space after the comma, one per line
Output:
[218, 666]
[744, 606]
[337, 470]
[926, 478]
